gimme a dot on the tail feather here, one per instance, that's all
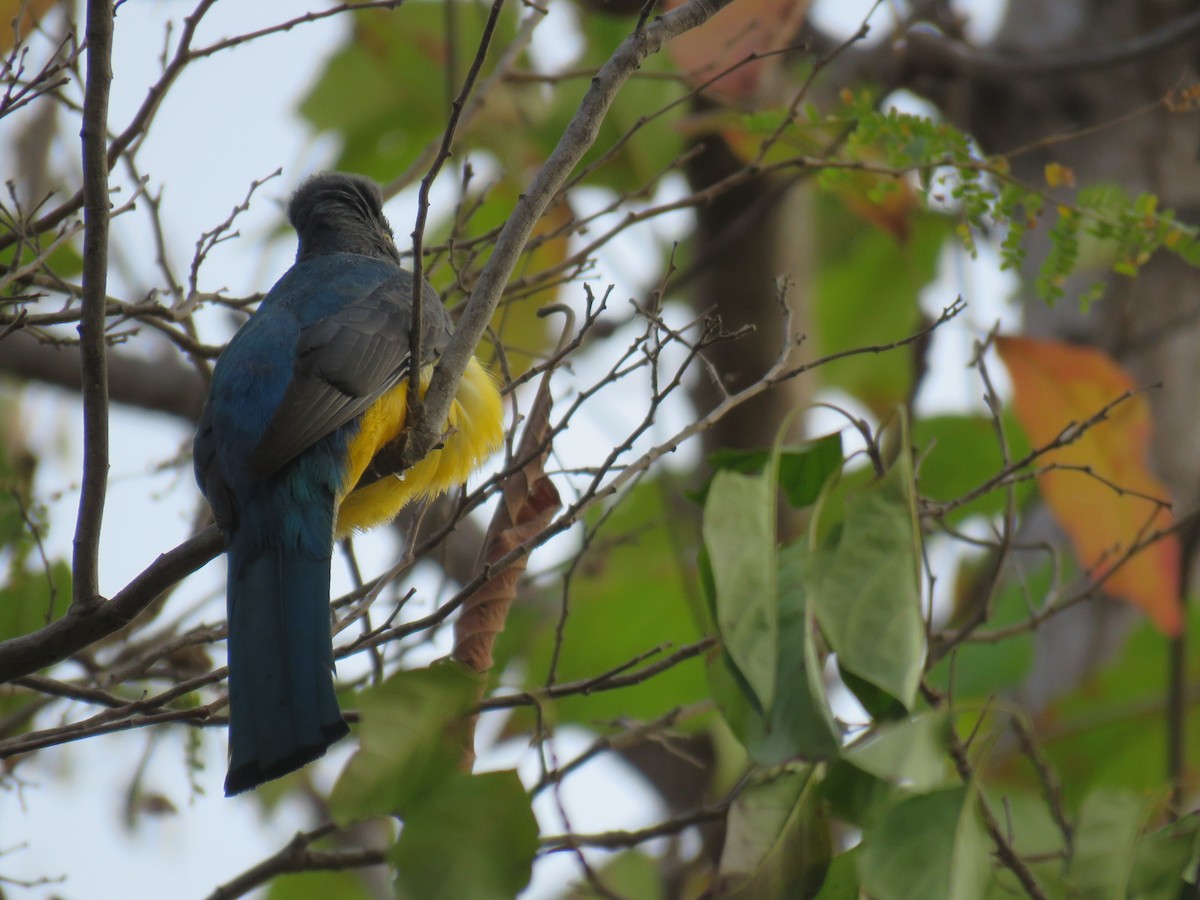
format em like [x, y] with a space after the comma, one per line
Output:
[283, 712]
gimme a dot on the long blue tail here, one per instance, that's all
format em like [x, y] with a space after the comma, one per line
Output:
[283, 712]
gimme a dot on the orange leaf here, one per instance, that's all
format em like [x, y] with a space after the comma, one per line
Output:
[735, 34]
[1098, 486]
[890, 210]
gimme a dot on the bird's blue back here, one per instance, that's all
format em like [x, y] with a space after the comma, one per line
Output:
[279, 528]
[248, 385]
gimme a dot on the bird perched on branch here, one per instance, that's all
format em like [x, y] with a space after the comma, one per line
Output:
[302, 400]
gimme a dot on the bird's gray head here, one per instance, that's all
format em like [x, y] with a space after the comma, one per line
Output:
[336, 213]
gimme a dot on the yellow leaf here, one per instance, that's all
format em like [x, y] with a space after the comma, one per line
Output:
[18, 17]
[1099, 486]
[1058, 175]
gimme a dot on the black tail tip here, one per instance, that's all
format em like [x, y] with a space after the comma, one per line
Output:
[250, 774]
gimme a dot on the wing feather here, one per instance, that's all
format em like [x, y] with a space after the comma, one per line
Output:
[343, 363]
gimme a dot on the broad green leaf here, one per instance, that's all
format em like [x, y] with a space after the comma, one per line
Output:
[393, 67]
[627, 597]
[307, 885]
[631, 875]
[407, 741]
[913, 752]
[983, 669]
[864, 586]
[927, 846]
[739, 535]
[1110, 731]
[841, 881]
[474, 838]
[1163, 858]
[867, 287]
[32, 598]
[803, 470]
[65, 260]
[959, 453]
[856, 796]
[1105, 844]
[777, 842]
[799, 723]
[1102, 494]
[1034, 835]
[879, 704]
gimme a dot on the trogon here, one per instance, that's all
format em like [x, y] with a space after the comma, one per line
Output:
[308, 391]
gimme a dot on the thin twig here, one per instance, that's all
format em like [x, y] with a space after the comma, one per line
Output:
[415, 361]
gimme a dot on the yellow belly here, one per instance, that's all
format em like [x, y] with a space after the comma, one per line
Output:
[476, 429]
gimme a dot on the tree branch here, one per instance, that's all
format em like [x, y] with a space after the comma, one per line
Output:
[93, 370]
[82, 626]
[934, 51]
[298, 856]
[161, 385]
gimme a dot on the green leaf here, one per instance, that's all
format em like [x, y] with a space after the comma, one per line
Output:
[33, 598]
[799, 723]
[959, 453]
[474, 838]
[629, 596]
[855, 796]
[1110, 731]
[65, 261]
[630, 875]
[927, 846]
[841, 881]
[864, 586]
[777, 843]
[866, 293]
[803, 470]
[739, 534]
[1106, 836]
[306, 885]
[407, 741]
[879, 704]
[982, 669]
[393, 68]
[1163, 859]
[913, 752]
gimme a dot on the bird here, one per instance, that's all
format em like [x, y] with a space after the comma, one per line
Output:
[306, 394]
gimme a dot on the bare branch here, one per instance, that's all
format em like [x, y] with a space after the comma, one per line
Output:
[930, 50]
[80, 627]
[94, 388]
[415, 360]
[298, 856]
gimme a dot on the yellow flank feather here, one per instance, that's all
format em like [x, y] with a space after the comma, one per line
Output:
[476, 429]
